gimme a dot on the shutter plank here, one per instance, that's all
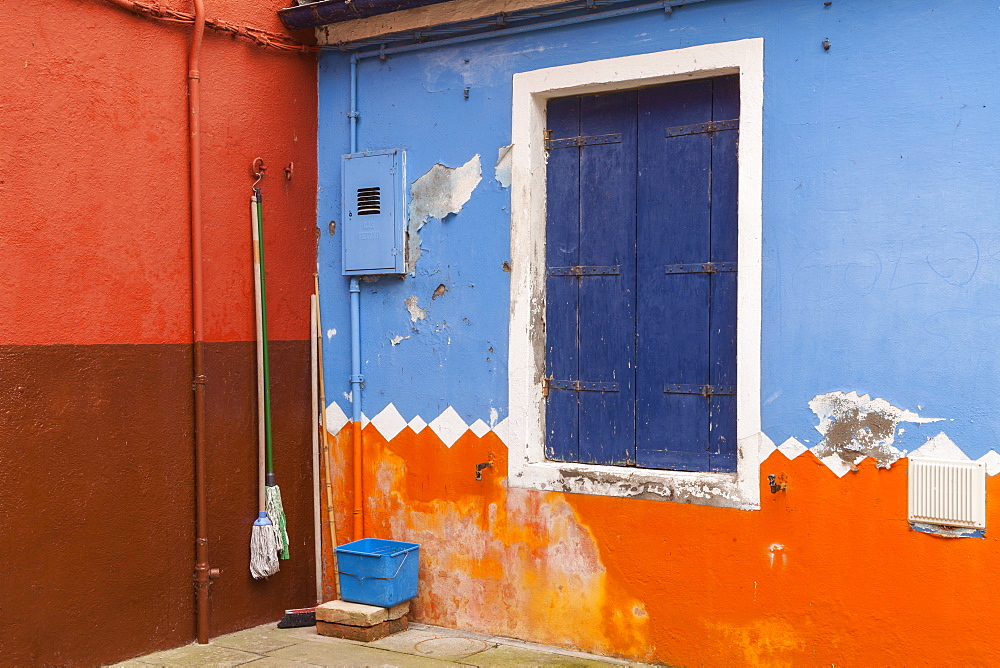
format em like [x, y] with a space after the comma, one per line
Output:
[722, 332]
[607, 302]
[562, 248]
[674, 223]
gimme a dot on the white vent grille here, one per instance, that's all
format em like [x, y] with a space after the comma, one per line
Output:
[951, 493]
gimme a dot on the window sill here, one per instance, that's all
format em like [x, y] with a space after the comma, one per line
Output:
[723, 490]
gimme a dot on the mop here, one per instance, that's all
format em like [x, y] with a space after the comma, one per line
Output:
[272, 501]
[265, 536]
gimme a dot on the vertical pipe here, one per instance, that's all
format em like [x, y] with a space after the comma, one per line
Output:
[354, 103]
[202, 572]
[356, 380]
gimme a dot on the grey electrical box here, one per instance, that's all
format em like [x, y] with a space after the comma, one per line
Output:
[373, 217]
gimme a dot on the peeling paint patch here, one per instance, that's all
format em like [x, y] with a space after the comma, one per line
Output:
[330, 333]
[396, 340]
[502, 169]
[855, 427]
[416, 313]
[440, 192]
[947, 532]
[439, 291]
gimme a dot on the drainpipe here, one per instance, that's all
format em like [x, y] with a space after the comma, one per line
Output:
[356, 380]
[354, 103]
[202, 573]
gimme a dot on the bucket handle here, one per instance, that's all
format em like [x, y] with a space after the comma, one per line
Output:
[378, 577]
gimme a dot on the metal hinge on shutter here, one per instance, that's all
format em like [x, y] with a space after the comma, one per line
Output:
[700, 268]
[585, 271]
[703, 390]
[702, 128]
[551, 383]
[575, 142]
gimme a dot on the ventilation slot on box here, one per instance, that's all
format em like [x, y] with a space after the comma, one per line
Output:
[369, 201]
[949, 493]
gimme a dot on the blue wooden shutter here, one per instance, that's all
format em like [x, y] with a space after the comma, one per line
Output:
[686, 297]
[641, 277]
[590, 249]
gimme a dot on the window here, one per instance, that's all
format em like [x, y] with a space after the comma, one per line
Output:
[544, 303]
[641, 270]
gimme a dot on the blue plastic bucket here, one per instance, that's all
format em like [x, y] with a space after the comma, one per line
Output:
[378, 572]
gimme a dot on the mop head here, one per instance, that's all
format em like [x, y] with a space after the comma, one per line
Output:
[272, 504]
[263, 548]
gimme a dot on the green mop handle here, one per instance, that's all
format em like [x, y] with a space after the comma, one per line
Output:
[269, 476]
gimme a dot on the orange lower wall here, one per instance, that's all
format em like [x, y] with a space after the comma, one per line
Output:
[828, 572]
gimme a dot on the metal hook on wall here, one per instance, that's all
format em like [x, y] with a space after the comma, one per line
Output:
[257, 168]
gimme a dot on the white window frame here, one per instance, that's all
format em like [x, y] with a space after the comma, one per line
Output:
[528, 467]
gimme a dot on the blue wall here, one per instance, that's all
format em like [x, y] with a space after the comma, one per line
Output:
[881, 194]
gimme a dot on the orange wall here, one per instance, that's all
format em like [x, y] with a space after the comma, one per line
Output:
[95, 289]
[828, 572]
[95, 181]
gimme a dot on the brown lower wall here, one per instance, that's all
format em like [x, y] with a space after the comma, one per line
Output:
[97, 496]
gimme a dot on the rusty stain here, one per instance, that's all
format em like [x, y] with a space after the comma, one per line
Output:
[439, 291]
[777, 483]
[505, 266]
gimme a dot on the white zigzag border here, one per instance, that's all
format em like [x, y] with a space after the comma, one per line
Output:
[449, 427]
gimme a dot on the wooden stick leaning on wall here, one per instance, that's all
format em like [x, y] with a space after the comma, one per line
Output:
[325, 438]
[315, 417]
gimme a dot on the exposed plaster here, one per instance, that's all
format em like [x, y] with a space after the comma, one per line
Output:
[396, 340]
[856, 426]
[438, 193]
[416, 313]
[502, 169]
[439, 291]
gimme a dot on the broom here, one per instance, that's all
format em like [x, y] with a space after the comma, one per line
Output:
[272, 495]
[264, 539]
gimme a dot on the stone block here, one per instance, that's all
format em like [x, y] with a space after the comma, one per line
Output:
[399, 624]
[361, 633]
[398, 610]
[351, 614]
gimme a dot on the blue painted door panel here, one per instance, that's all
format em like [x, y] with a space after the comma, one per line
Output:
[636, 213]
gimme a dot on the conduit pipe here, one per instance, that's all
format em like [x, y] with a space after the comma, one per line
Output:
[203, 574]
[356, 380]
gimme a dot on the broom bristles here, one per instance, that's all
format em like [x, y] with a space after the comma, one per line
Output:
[263, 548]
[276, 513]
